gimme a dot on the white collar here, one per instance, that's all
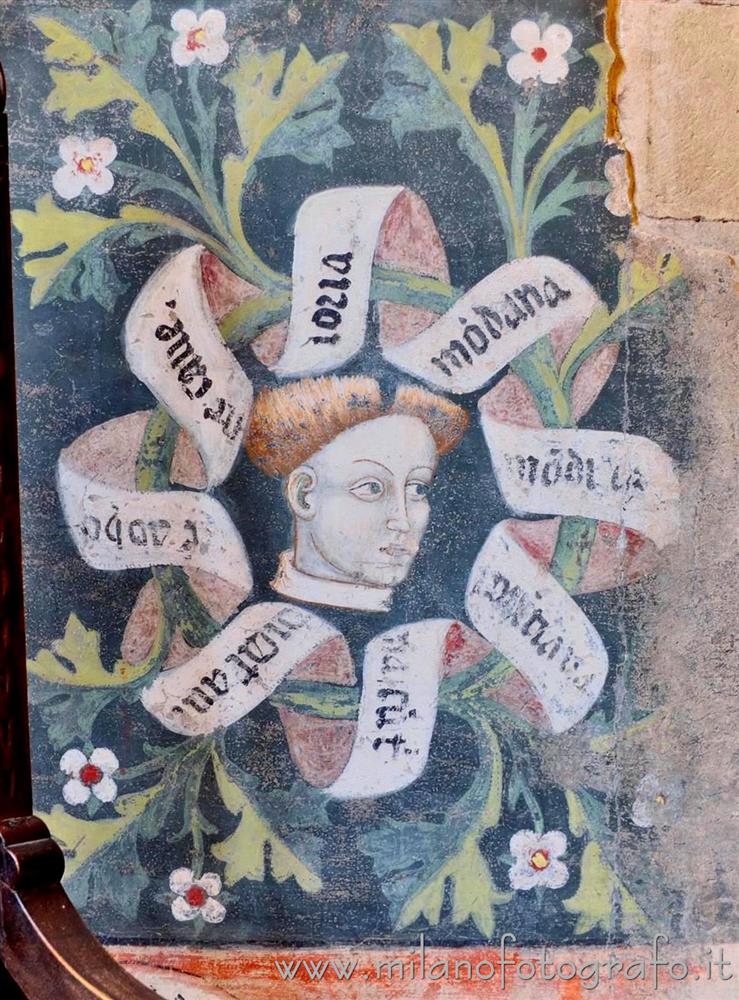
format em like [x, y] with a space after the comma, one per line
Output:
[291, 582]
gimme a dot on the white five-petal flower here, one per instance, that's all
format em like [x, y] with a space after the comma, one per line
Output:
[196, 896]
[199, 37]
[536, 860]
[542, 54]
[89, 775]
[657, 802]
[85, 165]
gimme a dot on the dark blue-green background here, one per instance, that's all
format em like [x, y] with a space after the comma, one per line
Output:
[72, 376]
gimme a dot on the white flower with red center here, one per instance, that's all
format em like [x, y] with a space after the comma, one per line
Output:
[657, 801]
[536, 860]
[542, 53]
[199, 37]
[85, 166]
[89, 776]
[195, 897]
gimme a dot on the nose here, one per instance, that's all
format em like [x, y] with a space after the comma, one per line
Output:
[397, 517]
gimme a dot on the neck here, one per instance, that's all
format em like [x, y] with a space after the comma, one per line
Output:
[303, 586]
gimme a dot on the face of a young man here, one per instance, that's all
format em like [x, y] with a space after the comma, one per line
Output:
[361, 502]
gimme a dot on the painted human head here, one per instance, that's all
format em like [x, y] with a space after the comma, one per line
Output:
[357, 472]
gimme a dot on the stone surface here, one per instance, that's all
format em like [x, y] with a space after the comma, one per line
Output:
[679, 106]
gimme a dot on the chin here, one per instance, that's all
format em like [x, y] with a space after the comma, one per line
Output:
[389, 577]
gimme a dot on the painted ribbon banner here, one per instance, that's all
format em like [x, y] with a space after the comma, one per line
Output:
[521, 609]
[237, 670]
[402, 668]
[495, 321]
[115, 527]
[337, 233]
[335, 236]
[173, 345]
[620, 478]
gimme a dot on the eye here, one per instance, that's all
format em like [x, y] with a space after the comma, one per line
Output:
[368, 489]
[417, 490]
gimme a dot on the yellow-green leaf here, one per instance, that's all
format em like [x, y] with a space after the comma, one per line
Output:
[580, 119]
[260, 110]
[576, 818]
[468, 54]
[47, 228]
[636, 281]
[94, 84]
[80, 648]
[474, 894]
[243, 852]
[65, 47]
[593, 903]
[81, 838]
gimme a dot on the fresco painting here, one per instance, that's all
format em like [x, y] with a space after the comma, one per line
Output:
[341, 508]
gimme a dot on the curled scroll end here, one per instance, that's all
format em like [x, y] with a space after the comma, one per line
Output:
[319, 747]
[463, 648]
[511, 402]
[409, 241]
[223, 289]
[519, 697]
[269, 346]
[220, 598]
[590, 379]
[142, 624]
[188, 468]
[618, 555]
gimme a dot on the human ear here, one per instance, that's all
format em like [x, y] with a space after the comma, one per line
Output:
[299, 489]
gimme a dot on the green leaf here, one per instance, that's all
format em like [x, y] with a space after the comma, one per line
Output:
[114, 876]
[415, 861]
[82, 839]
[576, 818]
[69, 714]
[102, 861]
[281, 110]
[554, 205]
[599, 891]
[73, 235]
[645, 295]
[97, 79]
[82, 667]
[72, 240]
[583, 127]
[243, 853]
[427, 87]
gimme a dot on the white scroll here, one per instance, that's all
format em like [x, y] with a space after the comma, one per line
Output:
[237, 670]
[173, 345]
[400, 687]
[337, 233]
[491, 324]
[521, 609]
[621, 478]
[335, 236]
[116, 527]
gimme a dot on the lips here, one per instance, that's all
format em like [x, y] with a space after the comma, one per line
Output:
[397, 551]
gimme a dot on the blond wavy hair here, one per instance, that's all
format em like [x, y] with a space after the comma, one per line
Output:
[292, 422]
